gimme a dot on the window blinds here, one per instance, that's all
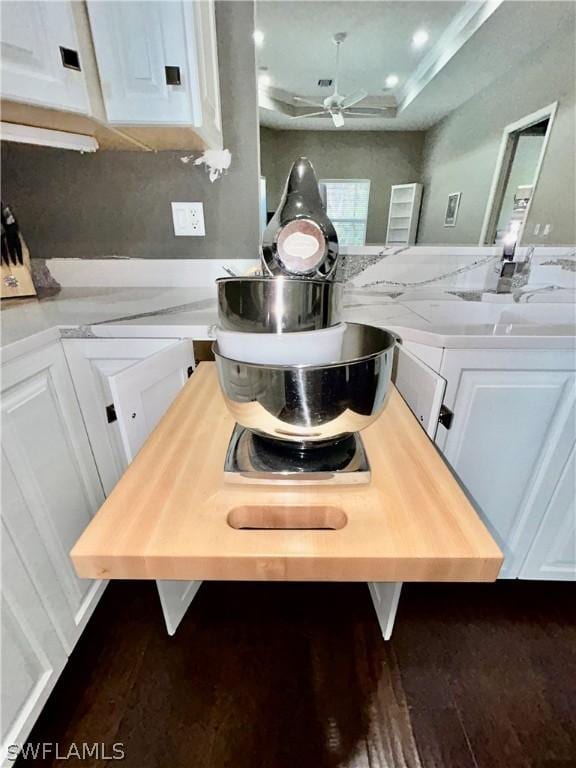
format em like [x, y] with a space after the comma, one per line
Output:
[347, 207]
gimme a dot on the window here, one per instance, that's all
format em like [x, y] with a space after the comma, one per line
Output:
[347, 208]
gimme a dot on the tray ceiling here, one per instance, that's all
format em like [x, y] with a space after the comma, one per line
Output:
[470, 44]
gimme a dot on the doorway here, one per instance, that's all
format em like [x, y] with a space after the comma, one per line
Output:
[517, 170]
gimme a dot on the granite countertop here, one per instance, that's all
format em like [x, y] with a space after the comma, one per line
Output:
[84, 311]
[438, 317]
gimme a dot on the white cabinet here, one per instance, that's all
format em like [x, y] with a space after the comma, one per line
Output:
[553, 551]
[40, 59]
[143, 392]
[158, 64]
[51, 488]
[92, 363]
[140, 378]
[208, 78]
[512, 434]
[404, 214]
[32, 655]
[50, 491]
[421, 387]
[132, 73]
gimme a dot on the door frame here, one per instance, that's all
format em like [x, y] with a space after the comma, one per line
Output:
[503, 159]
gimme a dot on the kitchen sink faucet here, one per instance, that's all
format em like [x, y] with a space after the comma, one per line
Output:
[514, 270]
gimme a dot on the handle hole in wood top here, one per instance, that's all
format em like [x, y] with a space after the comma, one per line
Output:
[289, 518]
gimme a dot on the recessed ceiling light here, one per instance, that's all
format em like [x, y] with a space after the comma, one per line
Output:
[391, 81]
[420, 38]
[258, 36]
[264, 79]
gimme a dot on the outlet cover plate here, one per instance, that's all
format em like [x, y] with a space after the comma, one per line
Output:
[188, 219]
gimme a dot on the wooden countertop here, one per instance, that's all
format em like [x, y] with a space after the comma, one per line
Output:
[168, 517]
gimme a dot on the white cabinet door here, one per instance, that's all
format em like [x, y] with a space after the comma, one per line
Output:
[205, 75]
[142, 394]
[511, 435]
[51, 487]
[92, 362]
[32, 656]
[140, 377]
[553, 551]
[134, 43]
[38, 43]
[421, 387]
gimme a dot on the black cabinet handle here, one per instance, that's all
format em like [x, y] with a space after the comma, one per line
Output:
[445, 417]
[173, 76]
[70, 59]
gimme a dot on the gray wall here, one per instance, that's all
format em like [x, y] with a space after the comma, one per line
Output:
[460, 152]
[386, 158]
[118, 203]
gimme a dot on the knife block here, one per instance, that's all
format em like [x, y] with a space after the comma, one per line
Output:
[16, 279]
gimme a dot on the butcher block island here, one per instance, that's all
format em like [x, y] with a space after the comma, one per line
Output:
[173, 517]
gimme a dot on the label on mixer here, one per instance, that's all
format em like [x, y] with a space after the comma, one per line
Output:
[301, 245]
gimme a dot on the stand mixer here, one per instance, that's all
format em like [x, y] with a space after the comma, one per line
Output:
[299, 383]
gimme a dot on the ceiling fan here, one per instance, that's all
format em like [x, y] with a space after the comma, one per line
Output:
[337, 106]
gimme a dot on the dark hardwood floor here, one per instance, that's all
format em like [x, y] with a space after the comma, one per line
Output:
[298, 676]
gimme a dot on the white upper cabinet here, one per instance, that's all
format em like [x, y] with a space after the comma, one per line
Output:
[208, 73]
[41, 61]
[132, 73]
[158, 64]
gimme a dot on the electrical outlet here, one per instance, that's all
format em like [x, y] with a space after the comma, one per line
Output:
[188, 219]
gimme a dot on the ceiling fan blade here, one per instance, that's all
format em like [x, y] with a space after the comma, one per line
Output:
[302, 100]
[308, 114]
[370, 112]
[337, 119]
[354, 98]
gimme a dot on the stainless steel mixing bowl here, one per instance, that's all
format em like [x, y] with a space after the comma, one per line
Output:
[278, 304]
[310, 403]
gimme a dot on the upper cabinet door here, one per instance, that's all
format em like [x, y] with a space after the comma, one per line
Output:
[145, 59]
[41, 63]
[201, 19]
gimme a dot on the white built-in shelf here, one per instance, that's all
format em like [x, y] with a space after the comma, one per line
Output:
[403, 214]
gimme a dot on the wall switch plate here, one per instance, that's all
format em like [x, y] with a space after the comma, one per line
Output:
[536, 229]
[188, 219]
[547, 230]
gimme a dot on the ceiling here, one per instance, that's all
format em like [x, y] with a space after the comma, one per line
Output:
[470, 45]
